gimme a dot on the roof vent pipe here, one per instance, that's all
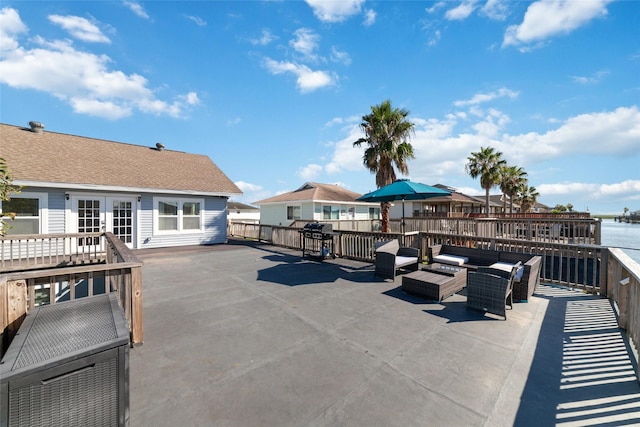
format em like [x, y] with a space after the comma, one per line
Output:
[36, 127]
[159, 146]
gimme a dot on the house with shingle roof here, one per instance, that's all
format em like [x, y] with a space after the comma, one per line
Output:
[241, 212]
[316, 202]
[147, 196]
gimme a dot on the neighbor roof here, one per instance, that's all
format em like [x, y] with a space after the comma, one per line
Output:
[313, 191]
[53, 159]
[241, 206]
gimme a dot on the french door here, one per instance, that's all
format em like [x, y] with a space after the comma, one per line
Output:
[116, 214]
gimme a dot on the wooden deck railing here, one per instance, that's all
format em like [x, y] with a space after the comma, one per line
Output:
[623, 287]
[558, 228]
[68, 277]
[34, 251]
[576, 265]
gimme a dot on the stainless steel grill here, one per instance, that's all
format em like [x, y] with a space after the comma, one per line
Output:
[317, 240]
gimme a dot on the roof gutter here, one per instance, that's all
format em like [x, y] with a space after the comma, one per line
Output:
[114, 188]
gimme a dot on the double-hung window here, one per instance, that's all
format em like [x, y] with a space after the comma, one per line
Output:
[293, 213]
[191, 216]
[29, 210]
[179, 215]
[330, 212]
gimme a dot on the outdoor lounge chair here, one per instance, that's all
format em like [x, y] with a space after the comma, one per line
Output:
[390, 257]
[491, 290]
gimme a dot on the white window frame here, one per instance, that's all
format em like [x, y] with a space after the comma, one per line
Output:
[294, 207]
[180, 201]
[374, 212]
[334, 212]
[43, 208]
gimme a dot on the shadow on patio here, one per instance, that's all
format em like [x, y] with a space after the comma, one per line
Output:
[227, 344]
[581, 373]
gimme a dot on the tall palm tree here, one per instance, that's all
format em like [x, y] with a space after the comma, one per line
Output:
[527, 197]
[486, 164]
[387, 132]
[511, 179]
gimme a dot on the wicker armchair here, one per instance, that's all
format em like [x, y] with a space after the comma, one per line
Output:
[490, 292]
[390, 257]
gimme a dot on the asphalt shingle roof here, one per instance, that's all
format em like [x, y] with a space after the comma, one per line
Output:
[68, 159]
[314, 191]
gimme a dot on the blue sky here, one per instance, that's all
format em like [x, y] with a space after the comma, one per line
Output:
[274, 91]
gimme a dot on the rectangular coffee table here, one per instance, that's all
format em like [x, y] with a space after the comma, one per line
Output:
[435, 281]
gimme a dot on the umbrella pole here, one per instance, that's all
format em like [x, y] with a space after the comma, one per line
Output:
[402, 222]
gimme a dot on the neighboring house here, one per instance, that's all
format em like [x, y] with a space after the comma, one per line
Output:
[540, 208]
[316, 202]
[454, 205]
[240, 212]
[147, 196]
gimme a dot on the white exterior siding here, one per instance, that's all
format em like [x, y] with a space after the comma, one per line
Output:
[276, 214]
[213, 218]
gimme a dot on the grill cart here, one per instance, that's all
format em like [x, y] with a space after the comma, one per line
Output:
[317, 240]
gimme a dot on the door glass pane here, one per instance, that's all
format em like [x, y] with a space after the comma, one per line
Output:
[122, 214]
[89, 220]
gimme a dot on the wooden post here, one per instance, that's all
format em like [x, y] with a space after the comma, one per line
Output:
[136, 305]
[14, 309]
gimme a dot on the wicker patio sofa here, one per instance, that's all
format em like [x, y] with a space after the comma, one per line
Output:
[491, 292]
[391, 257]
[471, 258]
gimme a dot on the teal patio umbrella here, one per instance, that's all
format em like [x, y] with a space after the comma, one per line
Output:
[403, 189]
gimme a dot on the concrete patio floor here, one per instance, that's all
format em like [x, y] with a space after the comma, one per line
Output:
[252, 335]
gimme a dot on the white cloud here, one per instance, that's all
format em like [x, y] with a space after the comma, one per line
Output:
[462, 11]
[625, 190]
[435, 38]
[307, 80]
[495, 9]
[95, 107]
[547, 18]
[305, 42]
[335, 11]
[248, 187]
[436, 7]
[10, 26]
[480, 98]
[136, 8]
[191, 98]
[234, 121]
[309, 172]
[82, 79]
[340, 56]
[251, 192]
[596, 78]
[80, 28]
[345, 156]
[369, 17]
[612, 133]
[441, 148]
[264, 39]
[199, 21]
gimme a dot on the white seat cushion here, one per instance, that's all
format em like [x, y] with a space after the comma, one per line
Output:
[450, 259]
[402, 260]
[505, 266]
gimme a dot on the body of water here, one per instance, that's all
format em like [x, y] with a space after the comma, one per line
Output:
[622, 235]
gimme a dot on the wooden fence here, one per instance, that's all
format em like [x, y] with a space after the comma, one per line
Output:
[67, 278]
[556, 229]
[574, 265]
